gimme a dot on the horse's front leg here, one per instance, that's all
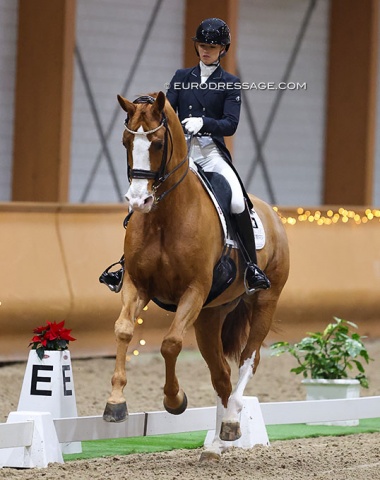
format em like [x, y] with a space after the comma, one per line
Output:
[190, 305]
[133, 303]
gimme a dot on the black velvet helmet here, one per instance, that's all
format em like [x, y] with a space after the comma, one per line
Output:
[213, 31]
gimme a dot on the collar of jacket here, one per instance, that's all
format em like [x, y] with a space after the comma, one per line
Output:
[196, 72]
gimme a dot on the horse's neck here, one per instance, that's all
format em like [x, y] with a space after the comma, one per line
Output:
[178, 206]
[178, 162]
[174, 206]
[178, 200]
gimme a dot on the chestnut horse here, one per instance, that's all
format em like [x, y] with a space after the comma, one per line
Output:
[172, 243]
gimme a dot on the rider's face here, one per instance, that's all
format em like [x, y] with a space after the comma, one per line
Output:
[209, 53]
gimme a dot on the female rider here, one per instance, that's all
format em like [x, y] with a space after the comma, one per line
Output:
[207, 100]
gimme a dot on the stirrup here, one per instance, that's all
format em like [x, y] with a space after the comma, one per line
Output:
[258, 280]
[113, 280]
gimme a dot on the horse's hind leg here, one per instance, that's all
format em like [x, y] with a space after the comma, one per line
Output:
[262, 316]
[208, 330]
[133, 303]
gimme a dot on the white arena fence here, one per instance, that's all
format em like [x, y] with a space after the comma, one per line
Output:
[74, 429]
[197, 419]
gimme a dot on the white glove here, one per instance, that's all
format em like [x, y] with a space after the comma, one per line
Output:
[193, 124]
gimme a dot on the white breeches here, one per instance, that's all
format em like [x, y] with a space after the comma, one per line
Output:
[209, 158]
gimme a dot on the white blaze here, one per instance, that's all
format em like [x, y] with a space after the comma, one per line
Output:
[138, 189]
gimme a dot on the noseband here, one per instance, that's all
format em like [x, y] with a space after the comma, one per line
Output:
[160, 175]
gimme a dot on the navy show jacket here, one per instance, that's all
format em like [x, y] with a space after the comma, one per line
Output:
[217, 101]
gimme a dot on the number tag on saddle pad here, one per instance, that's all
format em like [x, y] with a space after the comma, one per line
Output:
[258, 230]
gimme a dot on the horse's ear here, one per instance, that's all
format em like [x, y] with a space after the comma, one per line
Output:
[159, 103]
[126, 105]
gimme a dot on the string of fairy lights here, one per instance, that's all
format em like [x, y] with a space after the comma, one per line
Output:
[142, 342]
[318, 217]
[331, 217]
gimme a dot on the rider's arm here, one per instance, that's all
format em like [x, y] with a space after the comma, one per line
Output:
[228, 123]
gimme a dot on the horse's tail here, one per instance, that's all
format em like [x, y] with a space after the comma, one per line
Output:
[235, 331]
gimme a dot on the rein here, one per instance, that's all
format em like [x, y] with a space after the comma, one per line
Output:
[160, 176]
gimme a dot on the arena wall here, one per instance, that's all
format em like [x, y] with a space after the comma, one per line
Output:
[52, 255]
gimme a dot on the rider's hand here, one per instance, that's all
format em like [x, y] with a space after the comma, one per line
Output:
[193, 124]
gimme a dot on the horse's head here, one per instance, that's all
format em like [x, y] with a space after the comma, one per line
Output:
[146, 141]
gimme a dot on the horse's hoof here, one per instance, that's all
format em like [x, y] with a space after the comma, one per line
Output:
[230, 431]
[208, 456]
[115, 412]
[177, 410]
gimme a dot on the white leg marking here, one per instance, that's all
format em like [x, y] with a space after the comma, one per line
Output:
[235, 402]
[234, 406]
[218, 446]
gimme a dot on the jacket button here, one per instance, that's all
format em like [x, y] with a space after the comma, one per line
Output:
[190, 115]
[204, 109]
[190, 107]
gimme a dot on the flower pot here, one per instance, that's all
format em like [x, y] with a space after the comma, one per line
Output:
[322, 389]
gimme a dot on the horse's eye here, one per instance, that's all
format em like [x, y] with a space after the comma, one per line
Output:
[157, 145]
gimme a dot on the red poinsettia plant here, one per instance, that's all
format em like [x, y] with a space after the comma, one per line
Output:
[52, 336]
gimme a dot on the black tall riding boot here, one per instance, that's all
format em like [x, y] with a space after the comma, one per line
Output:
[254, 278]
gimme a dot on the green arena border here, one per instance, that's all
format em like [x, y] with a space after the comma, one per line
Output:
[191, 440]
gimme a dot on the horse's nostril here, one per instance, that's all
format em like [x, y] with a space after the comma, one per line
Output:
[148, 200]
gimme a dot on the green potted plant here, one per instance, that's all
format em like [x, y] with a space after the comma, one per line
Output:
[331, 362]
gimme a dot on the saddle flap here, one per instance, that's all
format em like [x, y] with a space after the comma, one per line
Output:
[220, 193]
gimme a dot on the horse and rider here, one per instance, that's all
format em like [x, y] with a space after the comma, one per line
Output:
[174, 242]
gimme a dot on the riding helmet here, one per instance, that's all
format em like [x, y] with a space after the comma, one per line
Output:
[213, 31]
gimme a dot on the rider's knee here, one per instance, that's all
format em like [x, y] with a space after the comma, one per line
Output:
[237, 204]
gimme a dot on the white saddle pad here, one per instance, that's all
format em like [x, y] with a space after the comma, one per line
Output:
[257, 225]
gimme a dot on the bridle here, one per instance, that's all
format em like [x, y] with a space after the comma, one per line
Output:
[160, 175]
